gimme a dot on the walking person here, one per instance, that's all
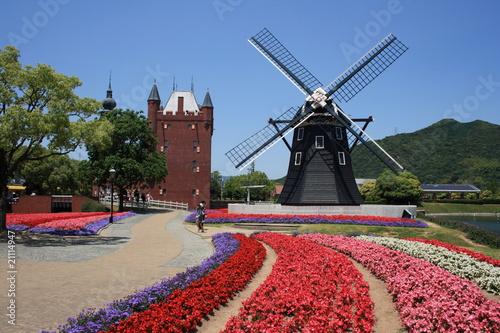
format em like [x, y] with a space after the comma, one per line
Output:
[203, 207]
[199, 218]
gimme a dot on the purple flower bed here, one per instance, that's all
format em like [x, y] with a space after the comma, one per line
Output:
[286, 219]
[17, 227]
[92, 320]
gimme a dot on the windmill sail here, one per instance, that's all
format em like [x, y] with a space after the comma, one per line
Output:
[366, 69]
[286, 63]
[250, 149]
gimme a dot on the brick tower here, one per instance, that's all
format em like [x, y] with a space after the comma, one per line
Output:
[184, 130]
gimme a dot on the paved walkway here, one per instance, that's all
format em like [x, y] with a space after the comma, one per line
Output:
[57, 277]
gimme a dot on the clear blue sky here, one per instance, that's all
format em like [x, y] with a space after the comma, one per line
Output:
[451, 70]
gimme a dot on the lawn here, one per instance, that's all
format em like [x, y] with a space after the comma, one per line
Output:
[450, 208]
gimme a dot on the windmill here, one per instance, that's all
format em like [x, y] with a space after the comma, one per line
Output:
[319, 169]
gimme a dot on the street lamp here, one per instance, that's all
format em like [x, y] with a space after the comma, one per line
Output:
[112, 173]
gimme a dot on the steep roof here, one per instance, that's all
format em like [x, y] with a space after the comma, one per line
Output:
[154, 95]
[207, 102]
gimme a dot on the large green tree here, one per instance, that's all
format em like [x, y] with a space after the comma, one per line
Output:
[233, 186]
[401, 188]
[38, 108]
[132, 154]
[53, 175]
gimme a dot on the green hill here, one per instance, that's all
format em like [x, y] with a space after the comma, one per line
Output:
[445, 152]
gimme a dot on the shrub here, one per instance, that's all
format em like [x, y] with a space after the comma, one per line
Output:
[90, 205]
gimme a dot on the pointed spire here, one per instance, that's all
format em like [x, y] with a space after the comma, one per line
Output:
[173, 85]
[192, 84]
[109, 93]
[207, 102]
[109, 103]
[154, 95]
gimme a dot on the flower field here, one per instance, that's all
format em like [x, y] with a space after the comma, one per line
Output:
[184, 308]
[63, 223]
[483, 274]
[429, 298]
[311, 289]
[222, 216]
[478, 256]
[314, 287]
[183, 300]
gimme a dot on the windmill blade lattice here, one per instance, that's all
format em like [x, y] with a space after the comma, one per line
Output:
[286, 63]
[366, 69]
[250, 149]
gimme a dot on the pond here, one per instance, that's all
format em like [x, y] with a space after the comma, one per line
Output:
[486, 222]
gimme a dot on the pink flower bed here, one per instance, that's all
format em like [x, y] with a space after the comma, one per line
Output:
[76, 223]
[63, 223]
[310, 289]
[429, 298]
[32, 220]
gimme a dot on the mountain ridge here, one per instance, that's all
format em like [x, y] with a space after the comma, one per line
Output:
[446, 152]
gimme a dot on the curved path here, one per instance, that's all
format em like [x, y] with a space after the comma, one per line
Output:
[57, 277]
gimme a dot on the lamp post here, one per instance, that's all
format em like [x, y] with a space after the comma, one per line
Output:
[112, 173]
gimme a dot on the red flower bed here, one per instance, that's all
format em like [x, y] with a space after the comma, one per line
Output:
[33, 220]
[183, 309]
[311, 289]
[451, 247]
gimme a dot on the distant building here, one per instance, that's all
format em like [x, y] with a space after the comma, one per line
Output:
[432, 190]
[184, 131]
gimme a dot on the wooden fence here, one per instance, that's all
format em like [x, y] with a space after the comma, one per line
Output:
[161, 204]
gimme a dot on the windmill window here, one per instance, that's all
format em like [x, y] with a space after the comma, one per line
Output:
[298, 158]
[300, 133]
[338, 132]
[320, 142]
[341, 158]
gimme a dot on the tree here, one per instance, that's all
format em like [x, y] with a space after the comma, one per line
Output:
[368, 191]
[132, 154]
[216, 183]
[38, 109]
[402, 188]
[53, 175]
[233, 186]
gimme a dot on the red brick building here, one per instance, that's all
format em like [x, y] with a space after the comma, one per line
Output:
[184, 130]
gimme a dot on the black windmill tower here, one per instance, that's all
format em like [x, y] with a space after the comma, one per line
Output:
[320, 170]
